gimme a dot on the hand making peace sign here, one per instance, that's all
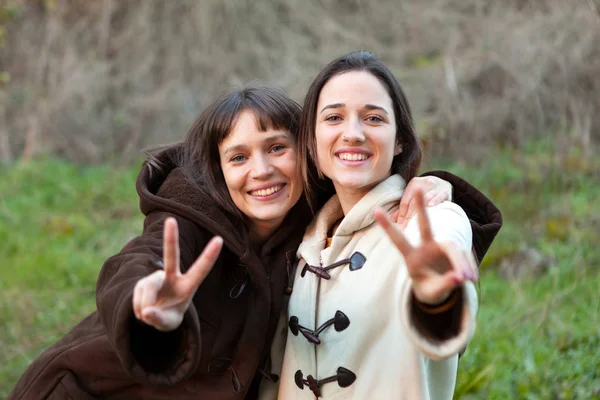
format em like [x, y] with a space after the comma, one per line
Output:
[436, 268]
[162, 298]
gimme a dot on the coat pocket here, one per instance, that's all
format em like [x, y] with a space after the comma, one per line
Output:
[69, 389]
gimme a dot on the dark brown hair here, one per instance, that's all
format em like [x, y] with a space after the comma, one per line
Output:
[200, 160]
[406, 163]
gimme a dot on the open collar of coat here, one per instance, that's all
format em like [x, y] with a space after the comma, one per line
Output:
[386, 195]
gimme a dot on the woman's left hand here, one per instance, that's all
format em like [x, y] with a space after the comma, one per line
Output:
[435, 190]
[436, 269]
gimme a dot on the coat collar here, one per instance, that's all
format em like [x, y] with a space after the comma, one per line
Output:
[385, 195]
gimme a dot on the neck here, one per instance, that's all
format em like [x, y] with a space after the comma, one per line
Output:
[261, 231]
[349, 197]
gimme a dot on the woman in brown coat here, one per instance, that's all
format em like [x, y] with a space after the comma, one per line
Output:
[205, 333]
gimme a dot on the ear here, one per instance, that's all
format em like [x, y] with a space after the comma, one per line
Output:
[398, 149]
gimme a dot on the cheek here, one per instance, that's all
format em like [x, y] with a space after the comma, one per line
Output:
[322, 146]
[387, 142]
[232, 180]
[289, 166]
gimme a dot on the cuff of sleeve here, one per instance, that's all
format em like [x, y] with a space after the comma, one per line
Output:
[128, 342]
[431, 347]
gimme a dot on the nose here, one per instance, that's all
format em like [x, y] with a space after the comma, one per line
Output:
[353, 132]
[262, 167]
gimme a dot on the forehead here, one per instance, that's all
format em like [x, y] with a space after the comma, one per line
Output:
[247, 129]
[354, 88]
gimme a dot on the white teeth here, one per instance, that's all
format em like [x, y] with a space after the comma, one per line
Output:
[266, 192]
[353, 156]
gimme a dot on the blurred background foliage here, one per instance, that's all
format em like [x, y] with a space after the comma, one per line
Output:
[505, 94]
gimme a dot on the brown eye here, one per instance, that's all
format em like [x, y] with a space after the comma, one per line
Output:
[375, 118]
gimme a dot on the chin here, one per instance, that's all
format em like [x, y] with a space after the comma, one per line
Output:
[356, 183]
[271, 215]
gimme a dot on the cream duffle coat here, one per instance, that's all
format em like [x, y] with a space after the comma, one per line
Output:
[352, 336]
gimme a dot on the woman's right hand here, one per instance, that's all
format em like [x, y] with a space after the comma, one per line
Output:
[162, 298]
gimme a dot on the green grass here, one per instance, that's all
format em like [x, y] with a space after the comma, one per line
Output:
[58, 222]
[537, 338]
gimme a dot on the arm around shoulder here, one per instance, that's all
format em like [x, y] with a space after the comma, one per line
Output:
[484, 216]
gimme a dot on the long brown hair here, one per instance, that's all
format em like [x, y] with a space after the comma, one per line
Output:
[406, 163]
[199, 155]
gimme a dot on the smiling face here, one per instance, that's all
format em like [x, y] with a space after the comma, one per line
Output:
[260, 173]
[355, 133]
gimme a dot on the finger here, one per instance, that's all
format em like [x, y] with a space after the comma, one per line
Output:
[171, 247]
[448, 282]
[472, 264]
[435, 288]
[405, 201]
[393, 232]
[150, 291]
[163, 320]
[460, 261]
[427, 196]
[151, 316]
[203, 264]
[409, 214]
[424, 226]
[144, 287]
[137, 300]
[437, 199]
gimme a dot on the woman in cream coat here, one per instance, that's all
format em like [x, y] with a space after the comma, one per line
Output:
[375, 312]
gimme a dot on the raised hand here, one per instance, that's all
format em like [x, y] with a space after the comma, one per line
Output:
[436, 269]
[435, 191]
[162, 298]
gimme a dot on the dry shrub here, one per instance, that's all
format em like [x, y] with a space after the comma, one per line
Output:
[523, 74]
[98, 79]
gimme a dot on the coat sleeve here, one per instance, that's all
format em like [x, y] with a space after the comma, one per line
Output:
[148, 355]
[443, 335]
[484, 216]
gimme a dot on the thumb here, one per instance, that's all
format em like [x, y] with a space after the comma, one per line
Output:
[449, 281]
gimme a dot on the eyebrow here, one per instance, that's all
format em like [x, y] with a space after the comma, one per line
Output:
[374, 107]
[367, 106]
[265, 140]
[335, 105]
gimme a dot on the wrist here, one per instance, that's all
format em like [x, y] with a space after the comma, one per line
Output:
[447, 302]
